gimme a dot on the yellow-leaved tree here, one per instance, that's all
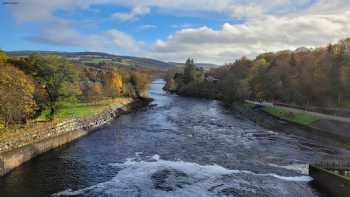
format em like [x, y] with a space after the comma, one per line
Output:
[113, 84]
[3, 57]
[140, 82]
[16, 95]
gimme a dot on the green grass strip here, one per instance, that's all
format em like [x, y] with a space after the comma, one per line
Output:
[300, 118]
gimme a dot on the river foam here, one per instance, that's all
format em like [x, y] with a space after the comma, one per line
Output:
[158, 178]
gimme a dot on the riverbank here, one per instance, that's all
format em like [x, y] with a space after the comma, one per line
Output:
[65, 111]
[14, 151]
[300, 124]
[280, 118]
[181, 146]
[332, 125]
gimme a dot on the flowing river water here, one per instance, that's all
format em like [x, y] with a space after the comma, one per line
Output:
[178, 147]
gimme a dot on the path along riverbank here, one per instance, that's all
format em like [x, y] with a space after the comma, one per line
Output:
[334, 126]
[17, 150]
[319, 128]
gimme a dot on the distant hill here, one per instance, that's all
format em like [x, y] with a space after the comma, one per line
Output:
[98, 59]
[205, 66]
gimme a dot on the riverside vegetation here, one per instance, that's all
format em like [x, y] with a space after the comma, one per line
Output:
[304, 77]
[42, 87]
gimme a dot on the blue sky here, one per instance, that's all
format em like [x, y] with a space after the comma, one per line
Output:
[215, 31]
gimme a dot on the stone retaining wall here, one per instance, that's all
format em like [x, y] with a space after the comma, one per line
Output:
[15, 152]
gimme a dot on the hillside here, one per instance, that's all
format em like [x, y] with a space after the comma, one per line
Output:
[98, 59]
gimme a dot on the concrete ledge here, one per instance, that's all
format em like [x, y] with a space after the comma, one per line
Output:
[12, 159]
[334, 184]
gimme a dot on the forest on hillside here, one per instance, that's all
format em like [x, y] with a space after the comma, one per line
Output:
[30, 86]
[306, 77]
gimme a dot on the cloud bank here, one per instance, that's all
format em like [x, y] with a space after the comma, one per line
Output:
[266, 26]
[253, 37]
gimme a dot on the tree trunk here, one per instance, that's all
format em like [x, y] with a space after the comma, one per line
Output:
[52, 112]
[51, 104]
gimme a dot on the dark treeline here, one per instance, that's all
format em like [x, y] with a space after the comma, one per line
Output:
[30, 85]
[317, 77]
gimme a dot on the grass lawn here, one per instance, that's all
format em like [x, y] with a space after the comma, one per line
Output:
[300, 118]
[67, 110]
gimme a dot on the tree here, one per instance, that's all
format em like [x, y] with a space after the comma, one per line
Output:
[55, 75]
[129, 90]
[243, 90]
[95, 92]
[69, 91]
[229, 88]
[3, 57]
[140, 82]
[336, 74]
[318, 76]
[170, 85]
[16, 95]
[192, 73]
[113, 84]
[189, 71]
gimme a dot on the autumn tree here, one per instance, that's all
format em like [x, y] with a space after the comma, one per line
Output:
[170, 85]
[16, 95]
[3, 57]
[140, 82]
[113, 84]
[319, 77]
[95, 92]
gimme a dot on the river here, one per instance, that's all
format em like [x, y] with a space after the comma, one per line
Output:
[178, 147]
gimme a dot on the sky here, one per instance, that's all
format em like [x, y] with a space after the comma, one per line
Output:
[212, 31]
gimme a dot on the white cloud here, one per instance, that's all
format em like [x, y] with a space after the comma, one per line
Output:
[134, 13]
[327, 7]
[256, 36]
[245, 10]
[124, 41]
[62, 34]
[39, 10]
